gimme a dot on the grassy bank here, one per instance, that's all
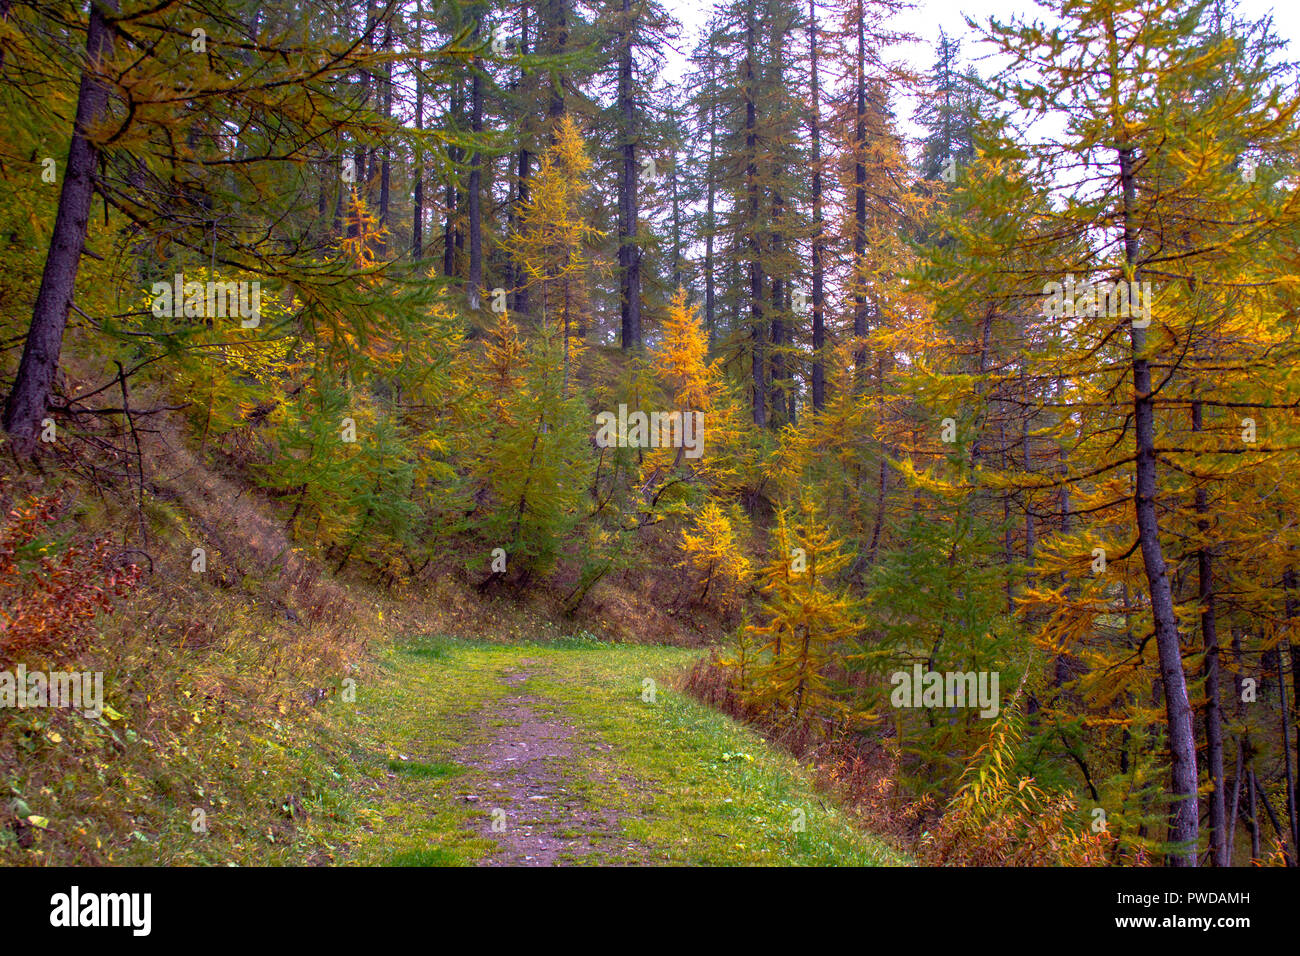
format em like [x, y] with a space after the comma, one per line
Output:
[582, 753]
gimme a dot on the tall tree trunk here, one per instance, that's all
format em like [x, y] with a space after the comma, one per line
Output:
[1286, 752]
[818, 266]
[29, 399]
[1235, 808]
[451, 231]
[386, 166]
[558, 44]
[860, 206]
[339, 20]
[1254, 817]
[711, 190]
[1293, 649]
[524, 162]
[361, 177]
[340, 189]
[1008, 533]
[758, 331]
[1245, 753]
[417, 213]
[629, 253]
[1185, 825]
[474, 284]
[677, 220]
[1027, 463]
[1210, 641]
[777, 405]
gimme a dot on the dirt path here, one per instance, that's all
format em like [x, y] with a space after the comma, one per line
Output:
[581, 764]
[534, 808]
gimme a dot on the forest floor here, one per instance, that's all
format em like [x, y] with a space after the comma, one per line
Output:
[571, 752]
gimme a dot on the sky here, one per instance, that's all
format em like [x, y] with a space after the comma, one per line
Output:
[929, 16]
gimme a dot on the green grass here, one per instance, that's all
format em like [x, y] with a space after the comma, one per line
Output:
[431, 646]
[399, 776]
[425, 771]
[682, 783]
[435, 857]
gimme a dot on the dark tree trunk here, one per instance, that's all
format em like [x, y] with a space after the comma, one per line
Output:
[677, 222]
[30, 396]
[758, 331]
[386, 166]
[339, 19]
[1254, 818]
[778, 324]
[1293, 648]
[1027, 463]
[451, 232]
[417, 213]
[1213, 703]
[709, 320]
[558, 31]
[1284, 708]
[474, 285]
[860, 207]
[818, 267]
[1245, 753]
[361, 177]
[629, 253]
[524, 169]
[340, 189]
[1185, 825]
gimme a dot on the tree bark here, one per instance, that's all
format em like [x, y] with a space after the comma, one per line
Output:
[474, 284]
[29, 399]
[758, 331]
[524, 167]
[1293, 648]
[558, 31]
[629, 253]
[386, 166]
[1185, 825]
[361, 177]
[451, 231]
[417, 212]
[1284, 709]
[1254, 818]
[1245, 753]
[1210, 641]
[860, 206]
[709, 320]
[778, 330]
[818, 266]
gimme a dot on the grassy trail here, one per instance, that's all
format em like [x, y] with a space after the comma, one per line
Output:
[482, 754]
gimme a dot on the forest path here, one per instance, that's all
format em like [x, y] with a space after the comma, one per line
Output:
[573, 752]
[538, 816]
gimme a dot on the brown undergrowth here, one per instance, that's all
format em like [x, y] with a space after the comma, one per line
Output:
[993, 819]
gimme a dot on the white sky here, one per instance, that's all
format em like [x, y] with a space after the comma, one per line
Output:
[928, 16]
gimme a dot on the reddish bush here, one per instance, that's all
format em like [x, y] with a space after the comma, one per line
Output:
[50, 594]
